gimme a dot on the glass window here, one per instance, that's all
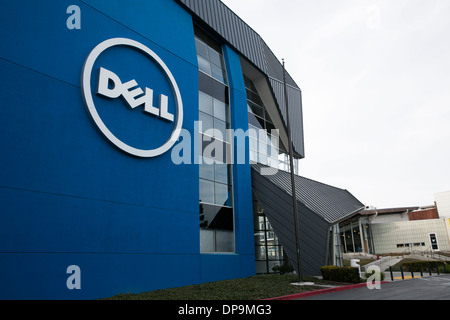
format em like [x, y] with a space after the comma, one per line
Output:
[260, 253]
[224, 241]
[205, 103]
[216, 217]
[215, 57]
[207, 121]
[260, 238]
[253, 156]
[206, 171]
[220, 110]
[221, 128]
[222, 173]
[210, 61]
[207, 243]
[204, 65]
[206, 191]
[268, 251]
[202, 48]
[253, 144]
[215, 208]
[265, 151]
[213, 115]
[217, 73]
[222, 194]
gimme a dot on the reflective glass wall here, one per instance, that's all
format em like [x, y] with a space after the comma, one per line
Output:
[356, 236]
[268, 250]
[216, 199]
[265, 146]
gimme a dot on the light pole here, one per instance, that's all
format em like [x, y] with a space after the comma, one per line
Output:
[294, 195]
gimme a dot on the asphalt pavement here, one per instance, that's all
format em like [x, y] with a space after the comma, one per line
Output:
[424, 288]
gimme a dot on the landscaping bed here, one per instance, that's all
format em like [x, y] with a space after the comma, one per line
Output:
[253, 288]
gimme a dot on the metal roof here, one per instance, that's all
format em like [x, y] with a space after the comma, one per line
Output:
[331, 203]
[319, 206]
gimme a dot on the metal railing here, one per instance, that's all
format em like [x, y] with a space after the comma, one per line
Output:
[431, 268]
[430, 253]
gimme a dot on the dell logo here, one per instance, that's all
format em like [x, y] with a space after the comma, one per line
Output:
[132, 94]
[111, 86]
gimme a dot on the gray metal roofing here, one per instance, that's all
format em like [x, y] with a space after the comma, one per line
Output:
[331, 203]
[245, 40]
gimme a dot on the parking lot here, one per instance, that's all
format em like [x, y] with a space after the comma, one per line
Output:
[424, 288]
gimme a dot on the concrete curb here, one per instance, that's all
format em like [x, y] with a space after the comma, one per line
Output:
[321, 291]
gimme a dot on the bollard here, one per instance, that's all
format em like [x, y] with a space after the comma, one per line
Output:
[401, 270]
[411, 269]
[429, 269]
[437, 268]
[392, 274]
[420, 269]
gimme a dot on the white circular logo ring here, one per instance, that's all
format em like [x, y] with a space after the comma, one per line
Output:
[88, 99]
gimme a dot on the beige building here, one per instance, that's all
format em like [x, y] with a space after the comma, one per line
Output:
[396, 230]
[410, 236]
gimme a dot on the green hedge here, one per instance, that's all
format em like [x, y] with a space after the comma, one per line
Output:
[416, 266]
[340, 274]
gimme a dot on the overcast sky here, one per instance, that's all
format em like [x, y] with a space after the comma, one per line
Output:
[375, 78]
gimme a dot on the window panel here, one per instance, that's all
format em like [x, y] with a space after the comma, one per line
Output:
[210, 60]
[260, 253]
[222, 128]
[205, 103]
[217, 73]
[222, 172]
[207, 121]
[206, 171]
[255, 121]
[216, 217]
[257, 110]
[206, 191]
[260, 238]
[253, 144]
[202, 49]
[207, 241]
[224, 241]
[262, 158]
[204, 65]
[220, 110]
[253, 156]
[222, 194]
[215, 57]
[216, 213]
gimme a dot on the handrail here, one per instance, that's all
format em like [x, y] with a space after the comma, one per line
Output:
[432, 254]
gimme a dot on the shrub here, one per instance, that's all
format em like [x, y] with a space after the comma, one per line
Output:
[285, 268]
[424, 264]
[340, 274]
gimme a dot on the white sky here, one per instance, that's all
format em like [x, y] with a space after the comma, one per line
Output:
[375, 77]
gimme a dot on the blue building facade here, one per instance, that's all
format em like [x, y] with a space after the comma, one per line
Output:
[88, 177]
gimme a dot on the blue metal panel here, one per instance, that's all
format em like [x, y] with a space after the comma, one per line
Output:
[241, 171]
[68, 196]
